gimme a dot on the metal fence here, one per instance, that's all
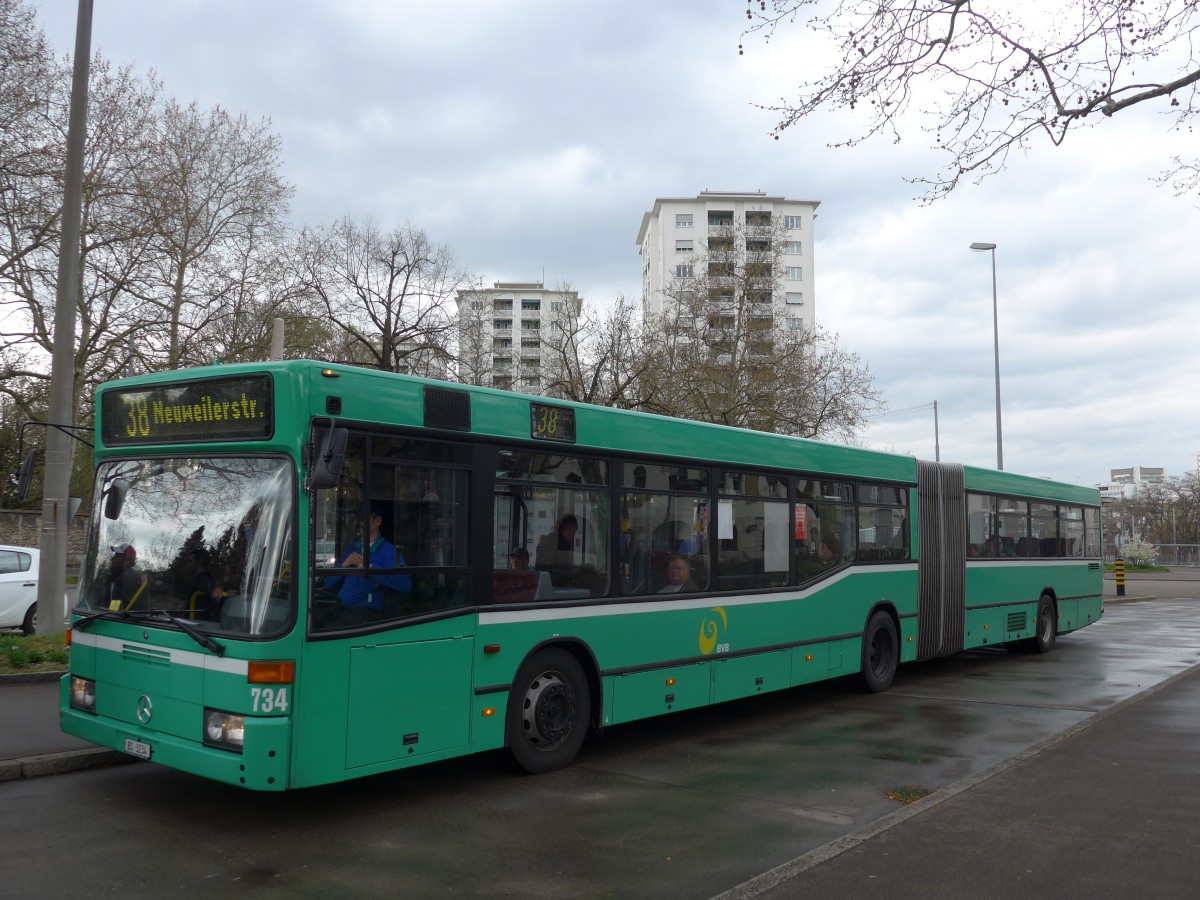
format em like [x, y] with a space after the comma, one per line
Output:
[1168, 554]
[1178, 554]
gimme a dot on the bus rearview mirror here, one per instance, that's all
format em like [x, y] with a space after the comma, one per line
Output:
[115, 498]
[25, 474]
[327, 467]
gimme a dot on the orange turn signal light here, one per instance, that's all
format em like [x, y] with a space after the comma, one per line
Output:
[279, 671]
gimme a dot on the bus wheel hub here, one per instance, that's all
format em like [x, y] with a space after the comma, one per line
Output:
[548, 710]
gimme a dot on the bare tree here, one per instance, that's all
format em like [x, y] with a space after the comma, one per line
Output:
[213, 199]
[181, 241]
[27, 135]
[113, 248]
[1185, 515]
[598, 357]
[473, 340]
[725, 351]
[388, 294]
[1166, 512]
[258, 285]
[992, 78]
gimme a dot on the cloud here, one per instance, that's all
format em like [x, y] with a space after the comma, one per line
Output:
[532, 136]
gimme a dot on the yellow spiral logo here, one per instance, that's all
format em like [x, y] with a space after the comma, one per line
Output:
[712, 628]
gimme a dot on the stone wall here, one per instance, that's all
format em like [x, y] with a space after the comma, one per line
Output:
[23, 528]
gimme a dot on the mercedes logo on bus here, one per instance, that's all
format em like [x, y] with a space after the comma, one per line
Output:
[145, 709]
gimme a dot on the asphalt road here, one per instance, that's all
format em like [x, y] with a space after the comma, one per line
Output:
[687, 806]
[1179, 582]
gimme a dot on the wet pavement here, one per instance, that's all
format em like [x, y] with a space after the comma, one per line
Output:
[1108, 809]
[699, 803]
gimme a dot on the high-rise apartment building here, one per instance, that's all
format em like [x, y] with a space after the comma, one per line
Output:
[1128, 484]
[509, 333]
[681, 238]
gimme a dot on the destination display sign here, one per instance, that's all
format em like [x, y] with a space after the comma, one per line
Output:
[552, 423]
[216, 409]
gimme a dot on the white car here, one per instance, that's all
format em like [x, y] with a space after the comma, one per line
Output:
[18, 587]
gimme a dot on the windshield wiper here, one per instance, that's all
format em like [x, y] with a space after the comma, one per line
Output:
[119, 615]
[202, 639]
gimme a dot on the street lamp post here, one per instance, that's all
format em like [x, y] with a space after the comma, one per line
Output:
[979, 245]
[937, 443]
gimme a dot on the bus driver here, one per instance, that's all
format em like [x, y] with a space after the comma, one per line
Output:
[366, 592]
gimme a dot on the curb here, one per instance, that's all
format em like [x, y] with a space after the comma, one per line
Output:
[31, 677]
[60, 763]
[1119, 600]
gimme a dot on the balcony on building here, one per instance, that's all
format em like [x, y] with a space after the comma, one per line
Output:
[719, 221]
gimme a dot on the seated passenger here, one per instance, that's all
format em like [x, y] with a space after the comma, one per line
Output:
[828, 554]
[679, 576]
[366, 592]
[556, 552]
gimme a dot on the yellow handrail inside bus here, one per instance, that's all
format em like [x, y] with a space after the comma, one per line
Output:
[137, 593]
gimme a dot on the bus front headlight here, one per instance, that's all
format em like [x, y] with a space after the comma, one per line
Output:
[83, 694]
[224, 730]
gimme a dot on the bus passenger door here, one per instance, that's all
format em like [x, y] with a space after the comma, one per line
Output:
[942, 544]
[408, 699]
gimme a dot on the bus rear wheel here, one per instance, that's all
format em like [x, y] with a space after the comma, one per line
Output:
[880, 652]
[548, 711]
[1044, 637]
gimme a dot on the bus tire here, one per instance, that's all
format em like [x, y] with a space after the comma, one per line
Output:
[1044, 634]
[548, 711]
[880, 652]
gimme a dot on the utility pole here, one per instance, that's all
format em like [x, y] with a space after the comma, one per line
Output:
[52, 569]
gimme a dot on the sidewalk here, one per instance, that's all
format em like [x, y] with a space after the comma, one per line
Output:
[31, 743]
[1106, 809]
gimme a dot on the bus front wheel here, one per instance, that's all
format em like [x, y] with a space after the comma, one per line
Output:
[880, 652]
[548, 711]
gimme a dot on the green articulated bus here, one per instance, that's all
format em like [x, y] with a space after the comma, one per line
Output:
[299, 573]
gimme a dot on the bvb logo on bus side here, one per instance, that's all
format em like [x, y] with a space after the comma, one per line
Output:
[712, 629]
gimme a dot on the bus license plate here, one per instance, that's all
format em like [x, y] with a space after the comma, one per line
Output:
[137, 748]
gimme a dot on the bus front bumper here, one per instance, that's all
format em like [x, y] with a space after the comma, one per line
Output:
[262, 766]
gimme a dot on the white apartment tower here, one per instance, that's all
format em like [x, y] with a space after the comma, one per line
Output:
[507, 333]
[1128, 484]
[674, 238]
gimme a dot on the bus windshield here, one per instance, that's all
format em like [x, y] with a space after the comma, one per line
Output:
[206, 539]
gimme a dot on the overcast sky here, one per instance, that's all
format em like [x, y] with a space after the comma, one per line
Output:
[531, 136]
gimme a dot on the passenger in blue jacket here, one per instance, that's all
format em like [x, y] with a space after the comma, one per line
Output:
[366, 592]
